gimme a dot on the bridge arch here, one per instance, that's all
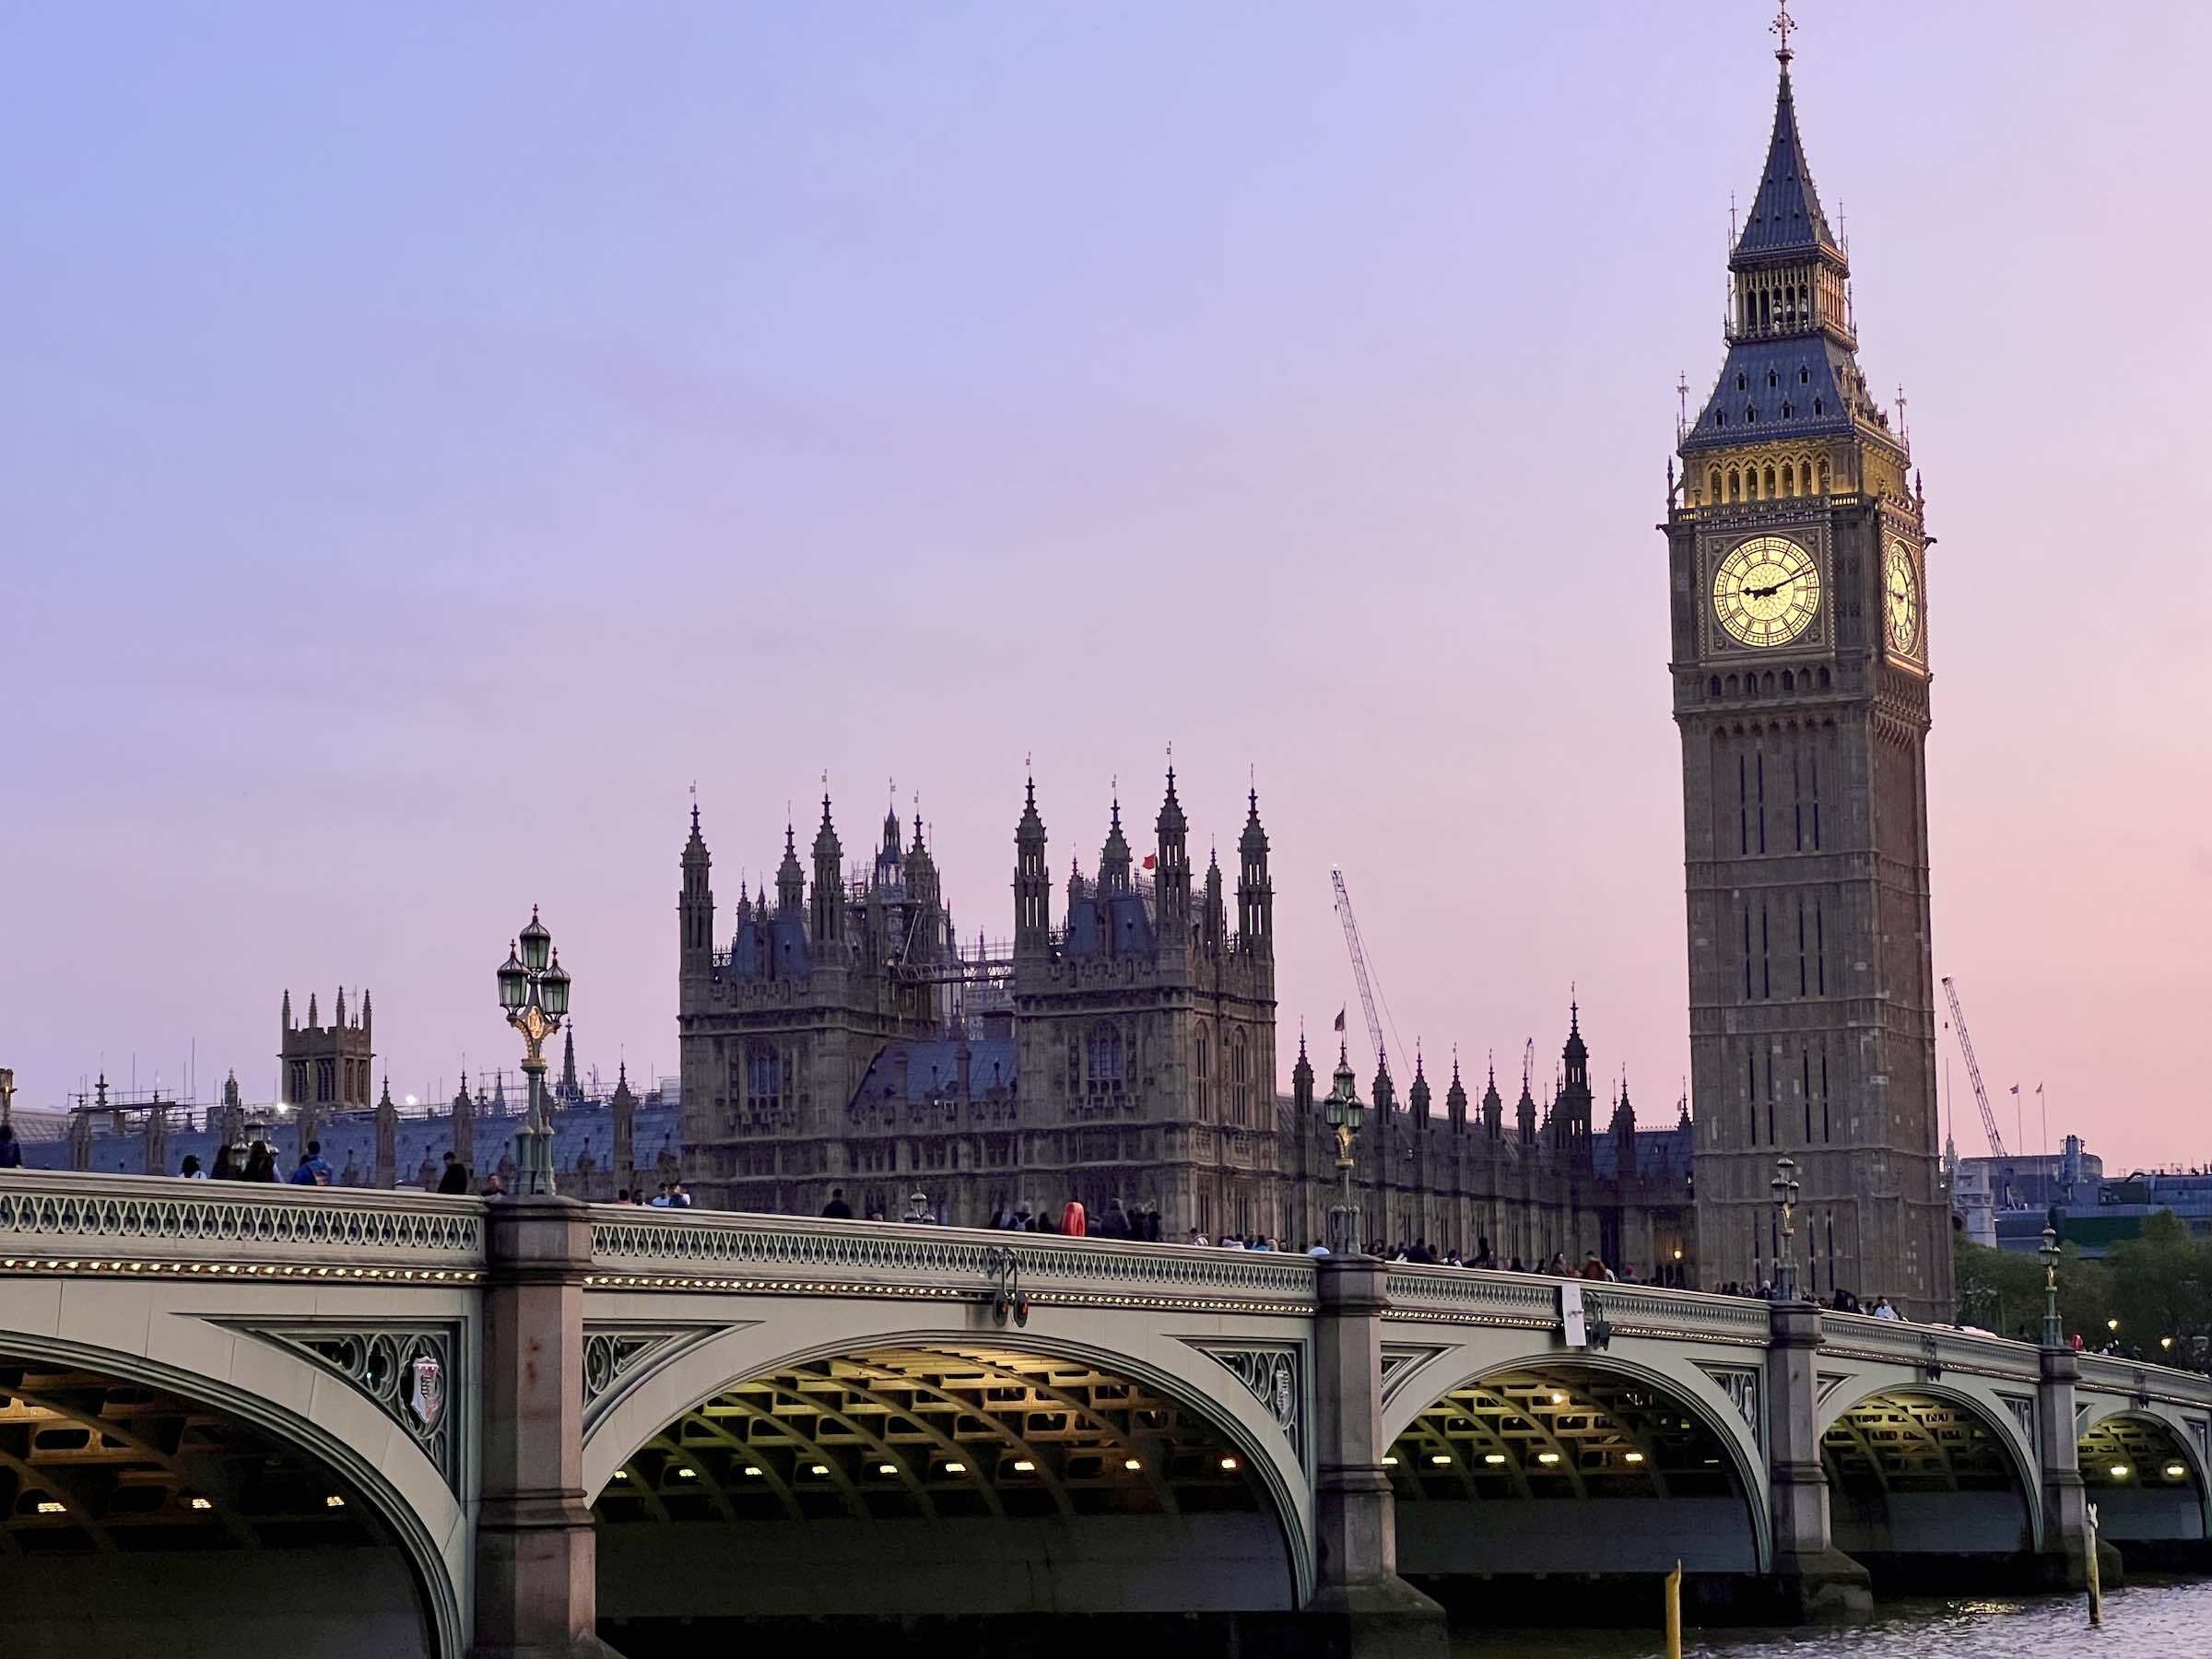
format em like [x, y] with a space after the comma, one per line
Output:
[1594, 1453]
[1122, 1459]
[2146, 1476]
[1925, 1468]
[97, 1439]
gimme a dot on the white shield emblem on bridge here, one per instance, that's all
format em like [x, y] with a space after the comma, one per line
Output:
[425, 1394]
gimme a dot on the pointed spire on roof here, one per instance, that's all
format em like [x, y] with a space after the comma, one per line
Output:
[312, 1019]
[1785, 216]
[1254, 839]
[695, 847]
[825, 844]
[1032, 827]
[1171, 820]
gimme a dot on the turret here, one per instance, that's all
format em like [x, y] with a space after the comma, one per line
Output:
[1173, 875]
[695, 908]
[1456, 1100]
[826, 919]
[1113, 858]
[384, 1174]
[1033, 883]
[1301, 1086]
[790, 881]
[625, 1105]
[569, 1091]
[1524, 1115]
[1493, 1108]
[464, 1124]
[1255, 893]
[1213, 928]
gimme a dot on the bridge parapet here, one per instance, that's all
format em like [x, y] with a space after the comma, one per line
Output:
[660, 1250]
[87, 1224]
[1482, 1296]
[2143, 1382]
[1931, 1349]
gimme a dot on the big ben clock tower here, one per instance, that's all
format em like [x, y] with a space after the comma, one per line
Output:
[1797, 559]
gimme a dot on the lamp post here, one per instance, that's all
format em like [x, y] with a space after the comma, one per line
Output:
[534, 990]
[2054, 1332]
[1785, 1187]
[1346, 1112]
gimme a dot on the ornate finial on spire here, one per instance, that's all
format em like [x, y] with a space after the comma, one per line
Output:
[1784, 23]
[695, 803]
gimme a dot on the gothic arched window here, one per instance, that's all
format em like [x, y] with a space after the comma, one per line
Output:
[1712, 484]
[1735, 484]
[1202, 1073]
[1789, 479]
[1240, 1075]
[764, 1077]
[1105, 1055]
[1770, 482]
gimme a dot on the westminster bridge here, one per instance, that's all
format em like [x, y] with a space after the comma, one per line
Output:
[395, 1423]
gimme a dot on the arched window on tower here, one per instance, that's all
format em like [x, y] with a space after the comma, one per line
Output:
[1789, 680]
[1202, 1075]
[1240, 1076]
[1712, 686]
[1735, 484]
[1789, 479]
[763, 1079]
[1105, 1057]
[1769, 483]
[1823, 486]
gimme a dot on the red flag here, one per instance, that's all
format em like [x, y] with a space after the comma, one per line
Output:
[1151, 861]
[1340, 1019]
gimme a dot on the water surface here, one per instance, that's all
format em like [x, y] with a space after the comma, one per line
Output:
[2171, 1620]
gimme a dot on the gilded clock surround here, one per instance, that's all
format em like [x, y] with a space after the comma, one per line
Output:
[1903, 621]
[1765, 591]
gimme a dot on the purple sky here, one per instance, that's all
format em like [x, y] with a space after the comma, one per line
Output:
[429, 442]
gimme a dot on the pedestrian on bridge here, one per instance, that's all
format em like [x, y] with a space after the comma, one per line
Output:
[837, 1209]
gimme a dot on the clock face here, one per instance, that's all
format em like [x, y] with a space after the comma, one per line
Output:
[1900, 598]
[1766, 592]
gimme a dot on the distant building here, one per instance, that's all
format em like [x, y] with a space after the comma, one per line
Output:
[601, 1145]
[323, 1069]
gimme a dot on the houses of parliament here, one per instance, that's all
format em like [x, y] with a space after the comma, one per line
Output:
[1120, 1047]
[1124, 1044]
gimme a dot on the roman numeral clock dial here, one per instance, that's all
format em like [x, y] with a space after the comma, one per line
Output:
[1766, 592]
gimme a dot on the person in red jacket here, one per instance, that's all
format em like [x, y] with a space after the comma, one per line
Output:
[1072, 1221]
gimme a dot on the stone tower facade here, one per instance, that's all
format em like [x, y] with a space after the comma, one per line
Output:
[324, 1068]
[1796, 553]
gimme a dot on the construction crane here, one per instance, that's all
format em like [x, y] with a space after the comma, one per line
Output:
[1966, 1047]
[1359, 972]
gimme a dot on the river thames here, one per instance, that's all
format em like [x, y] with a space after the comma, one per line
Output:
[2167, 1621]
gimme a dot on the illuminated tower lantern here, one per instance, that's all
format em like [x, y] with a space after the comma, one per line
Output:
[1797, 555]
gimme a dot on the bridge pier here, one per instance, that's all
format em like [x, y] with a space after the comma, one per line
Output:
[536, 1550]
[1373, 1613]
[2063, 1563]
[1818, 1581]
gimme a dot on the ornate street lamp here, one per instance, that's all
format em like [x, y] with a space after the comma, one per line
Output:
[533, 992]
[1346, 1112]
[1786, 1186]
[2054, 1332]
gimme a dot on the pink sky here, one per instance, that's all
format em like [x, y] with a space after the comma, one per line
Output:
[430, 443]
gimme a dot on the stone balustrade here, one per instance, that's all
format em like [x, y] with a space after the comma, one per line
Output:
[160, 1227]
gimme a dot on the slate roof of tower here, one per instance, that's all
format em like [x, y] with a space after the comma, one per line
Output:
[1786, 216]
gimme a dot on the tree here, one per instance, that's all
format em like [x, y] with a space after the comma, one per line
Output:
[2002, 1290]
[2161, 1286]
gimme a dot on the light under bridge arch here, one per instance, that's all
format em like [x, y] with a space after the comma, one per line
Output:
[138, 1425]
[1566, 1456]
[1164, 1441]
[1926, 1467]
[2144, 1467]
